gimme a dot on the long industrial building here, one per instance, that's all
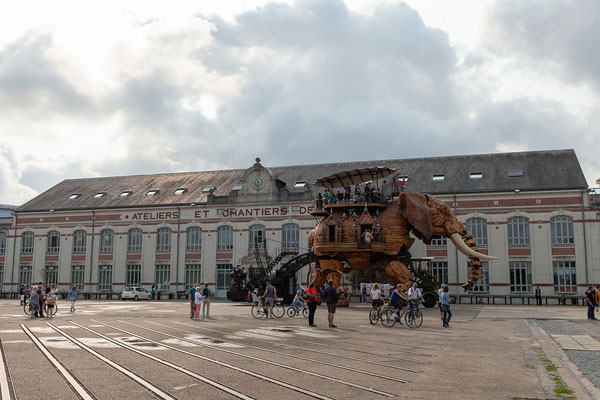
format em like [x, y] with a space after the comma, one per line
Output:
[532, 210]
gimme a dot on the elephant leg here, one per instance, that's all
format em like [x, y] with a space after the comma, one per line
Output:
[397, 273]
[474, 264]
[328, 270]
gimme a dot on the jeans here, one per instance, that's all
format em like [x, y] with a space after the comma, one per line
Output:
[364, 298]
[312, 307]
[447, 314]
[591, 310]
[538, 300]
[205, 307]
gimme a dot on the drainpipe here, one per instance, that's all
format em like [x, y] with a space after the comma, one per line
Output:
[456, 254]
[177, 252]
[12, 276]
[92, 245]
[585, 258]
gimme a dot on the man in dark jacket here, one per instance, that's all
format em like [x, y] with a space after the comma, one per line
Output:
[331, 298]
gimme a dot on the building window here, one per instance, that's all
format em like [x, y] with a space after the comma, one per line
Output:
[162, 277]
[53, 242]
[478, 228]
[105, 278]
[134, 241]
[225, 238]
[223, 276]
[520, 276]
[257, 237]
[27, 243]
[25, 275]
[134, 275]
[192, 274]
[565, 276]
[518, 231]
[125, 193]
[50, 276]
[163, 240]
[290, 237]
[79, 241]
[438, 177]
[561, 228]
[438, 242]
[152, 192]
[106, 241]
[1, 275]
[439, 270]
[194, 239]
[77, 276]
[2, 242]
[483, 286]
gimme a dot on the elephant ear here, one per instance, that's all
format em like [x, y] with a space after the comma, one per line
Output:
[418, 214]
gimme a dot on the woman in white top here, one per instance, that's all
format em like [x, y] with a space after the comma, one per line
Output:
[376, 297]
[198, 301]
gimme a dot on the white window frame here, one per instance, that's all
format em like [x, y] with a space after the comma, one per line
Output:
[483, 286]
[53, 242]
[478, 228]
[439, 271]
[25, 275]
[561, 230]
[192, 274]
[564, 274]
[257, 231]
[27, 242]
[520, 276]
[107, 237]
[225, 238]
[194, 239]
[134, 240]
[224, 276]
[50, 276]
[290, 237]
[105, 278]
[439, 242]
[163, 240]
[2, 242]
[78, 276]
[518, 231]
[1, 276]
[79, 241]
[162, 277]
[133, 275]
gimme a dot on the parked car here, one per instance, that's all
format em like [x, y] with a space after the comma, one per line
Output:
[135, 293]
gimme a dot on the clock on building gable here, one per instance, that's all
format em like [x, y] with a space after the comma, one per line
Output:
[257, 178]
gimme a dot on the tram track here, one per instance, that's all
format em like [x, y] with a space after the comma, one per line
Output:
[312, 394]
[76, 386]
[203, 379]
[7, 390]
[156, 391]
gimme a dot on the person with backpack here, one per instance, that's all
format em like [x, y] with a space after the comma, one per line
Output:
[331, 298]
[312, 300]
[50, 301]
[206, 301]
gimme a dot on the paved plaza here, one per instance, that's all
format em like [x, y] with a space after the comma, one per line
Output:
[124, 350]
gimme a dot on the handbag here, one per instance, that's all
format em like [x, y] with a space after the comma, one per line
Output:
[51, 301]
[309, 296]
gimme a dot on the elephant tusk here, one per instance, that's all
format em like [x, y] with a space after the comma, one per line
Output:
[467, 251]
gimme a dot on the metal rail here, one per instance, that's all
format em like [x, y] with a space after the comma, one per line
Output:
[7, 390]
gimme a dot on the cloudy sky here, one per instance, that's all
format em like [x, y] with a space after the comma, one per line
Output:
[94, 89]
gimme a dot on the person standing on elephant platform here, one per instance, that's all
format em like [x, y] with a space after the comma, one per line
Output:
[446, 307]
[312, 300]
[331, 298]
[347, 193]
[357, 194]
[538, 296]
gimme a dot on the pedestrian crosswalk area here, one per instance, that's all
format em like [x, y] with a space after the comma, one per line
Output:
[577, 342]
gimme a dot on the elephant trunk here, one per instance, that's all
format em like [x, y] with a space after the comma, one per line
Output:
[466, 245]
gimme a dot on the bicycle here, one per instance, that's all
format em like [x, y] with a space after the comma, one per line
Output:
[375, 313]
[293, 311]
[259, 309]
[50, 311]
[412, 316]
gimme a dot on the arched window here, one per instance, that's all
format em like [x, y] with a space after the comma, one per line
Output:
[27, 243]
[194, 239]
[79, 241]
[163, 240]
[484, 284]
[225, 238]
[106, 241]
[478, 228]
[561, 228]
[134, 241]
[290, 237]
[53, 244]
[518, 231]
[2, 242]
[257, 237]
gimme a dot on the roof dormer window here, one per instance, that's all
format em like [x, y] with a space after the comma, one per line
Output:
[300, 184]
[179, 191]
[476, 175]
[515, 172]
[438, 177]
[237, 187]
[74, 196]
[125, 193]
[99, 194]
[209, 189]
[152, 192]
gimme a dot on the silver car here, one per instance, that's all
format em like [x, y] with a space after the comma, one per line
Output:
[135, 293]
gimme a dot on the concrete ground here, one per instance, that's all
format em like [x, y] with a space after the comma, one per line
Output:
[122, 350]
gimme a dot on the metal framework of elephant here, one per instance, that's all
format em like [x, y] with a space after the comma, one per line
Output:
[337, 242]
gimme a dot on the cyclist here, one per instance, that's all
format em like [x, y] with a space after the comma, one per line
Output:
[414, 294]
[397, 295]
[376, 297]
[298, 300]
[269, 296]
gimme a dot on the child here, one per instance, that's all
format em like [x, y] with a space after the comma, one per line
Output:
[50, 301]
[298, 300]
[73, 297]
[198, 301]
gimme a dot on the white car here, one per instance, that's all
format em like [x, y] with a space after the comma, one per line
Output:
[135, 293]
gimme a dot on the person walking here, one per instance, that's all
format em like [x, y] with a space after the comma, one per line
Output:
[312, 300]
[34, 302]
[364, 294]
[206, 301]
[192, 294]
[42, 299]
[198, 302]
[73, 297]
[331, 298]
[591, 303]
[153, 292]
[538, 296]
[446, 308]
[22, 292]
[440, 291]
[269, 297]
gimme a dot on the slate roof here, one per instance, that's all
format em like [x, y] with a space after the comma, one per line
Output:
[541, 170]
